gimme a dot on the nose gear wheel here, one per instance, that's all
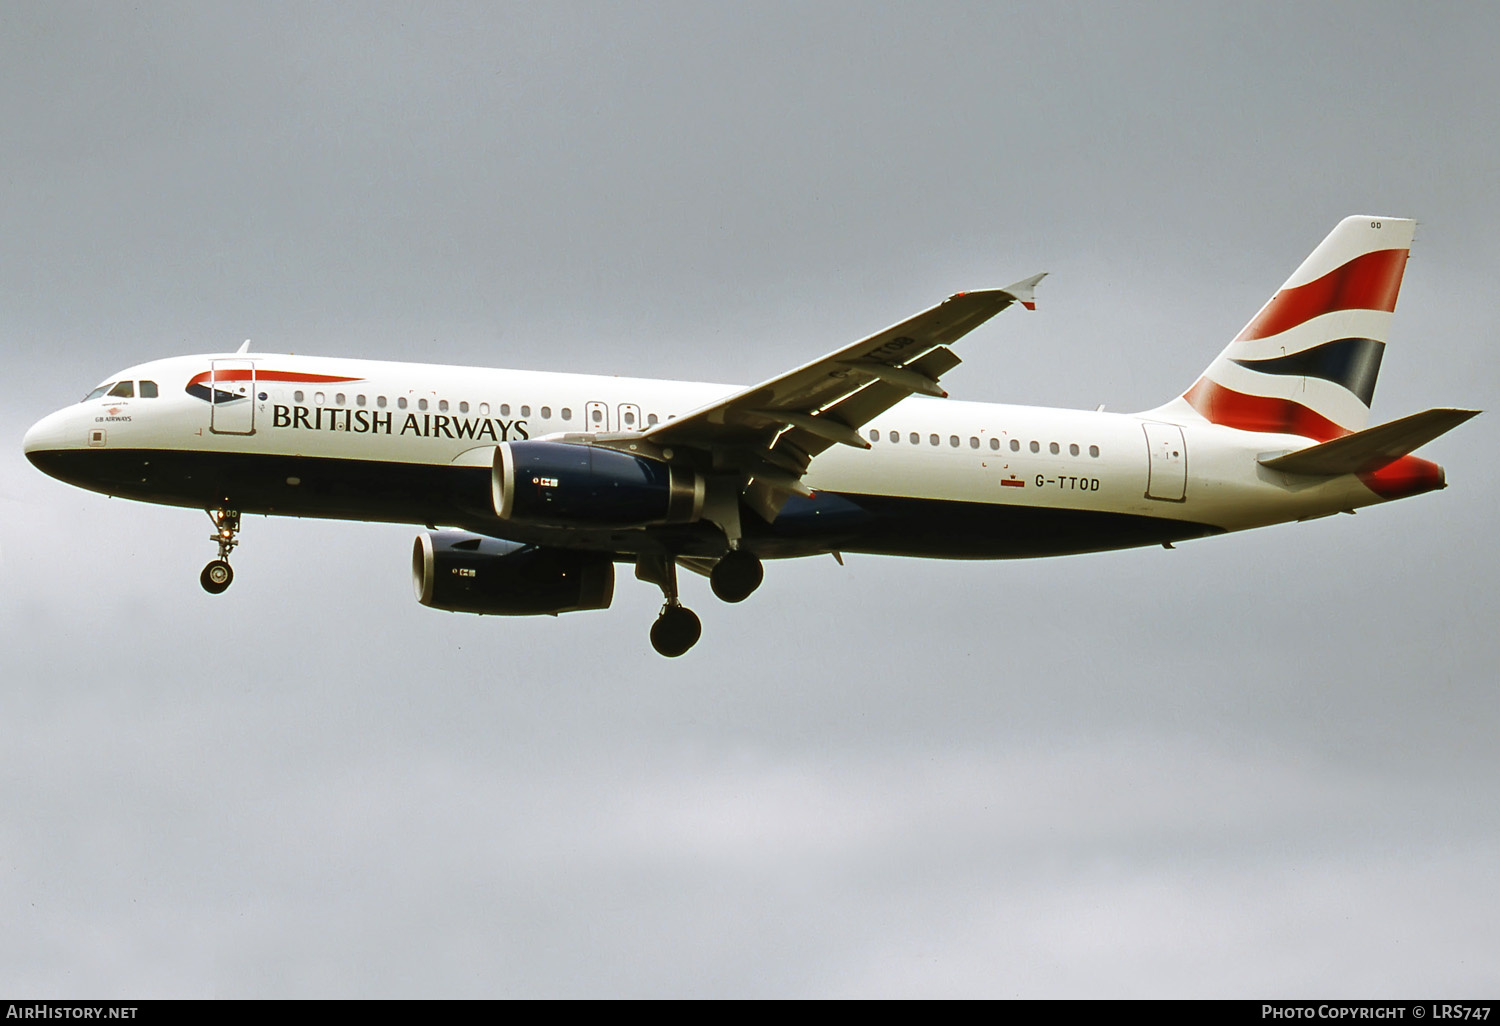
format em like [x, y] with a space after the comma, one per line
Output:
[218, 575]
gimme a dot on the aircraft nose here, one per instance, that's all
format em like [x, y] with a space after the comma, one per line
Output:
[50, 434]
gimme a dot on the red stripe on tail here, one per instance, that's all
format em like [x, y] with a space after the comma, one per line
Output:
[1229, 408]
[1368, 282]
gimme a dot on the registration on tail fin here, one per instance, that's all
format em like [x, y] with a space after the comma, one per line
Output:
[1306, 364]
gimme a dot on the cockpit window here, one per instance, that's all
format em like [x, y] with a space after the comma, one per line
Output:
[124, 390]
[96, 393]
[148, 390]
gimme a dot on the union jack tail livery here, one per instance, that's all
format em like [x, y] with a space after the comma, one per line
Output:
[1306, 363]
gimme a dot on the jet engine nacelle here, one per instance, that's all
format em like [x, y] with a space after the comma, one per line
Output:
[467, 573]
[573, 485]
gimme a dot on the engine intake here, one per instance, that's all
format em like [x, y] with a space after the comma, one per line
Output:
[571, 485]
[468, 573]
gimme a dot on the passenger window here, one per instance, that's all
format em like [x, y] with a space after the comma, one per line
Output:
[651, 420]
[934, 439]
[298, 396]
[874, 435]
[338, 400]
[380, 401]
[442, 406]
[598, 415]
[148, 390]
[1015, 445]
[629, 419]
[463, 407]
[895, 436]
[1053, 448]
[916, 439]
[317, 398]
[124, 390]
[973, 442]
[484, 409]
[359, 400]
[1094, 451]
[505, 409]
[546, 413]
[1073, 449]
[953, 441]
[421, 404]
[401, 402]
[567, 414]
[526, 411]
[995, 443]
[1036, 446]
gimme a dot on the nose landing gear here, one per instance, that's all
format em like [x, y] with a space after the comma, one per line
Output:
[218, 574]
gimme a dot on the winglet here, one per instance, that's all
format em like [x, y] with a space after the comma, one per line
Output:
[1024, 290]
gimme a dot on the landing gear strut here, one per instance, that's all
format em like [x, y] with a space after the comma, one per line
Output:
[218, 575]
[677, 628]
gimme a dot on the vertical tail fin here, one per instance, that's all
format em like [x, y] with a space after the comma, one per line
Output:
[1306, 363]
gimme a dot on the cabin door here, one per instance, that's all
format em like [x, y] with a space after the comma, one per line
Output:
[1166, 477]
[231, 389]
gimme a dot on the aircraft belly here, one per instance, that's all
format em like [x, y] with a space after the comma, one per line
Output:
[298, 486]
[460, 496]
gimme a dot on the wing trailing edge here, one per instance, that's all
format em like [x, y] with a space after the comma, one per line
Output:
[769, 433]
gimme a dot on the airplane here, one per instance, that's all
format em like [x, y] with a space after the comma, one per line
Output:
[543, 482]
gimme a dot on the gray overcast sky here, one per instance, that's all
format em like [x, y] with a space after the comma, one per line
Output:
[1260, 765]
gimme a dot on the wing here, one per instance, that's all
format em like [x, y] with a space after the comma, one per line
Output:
[770, 432]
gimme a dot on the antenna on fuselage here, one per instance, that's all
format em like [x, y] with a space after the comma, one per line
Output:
[244, 347]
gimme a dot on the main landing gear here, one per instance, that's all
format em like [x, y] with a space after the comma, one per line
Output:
[736, 575]
[677, 628]
[218, 574]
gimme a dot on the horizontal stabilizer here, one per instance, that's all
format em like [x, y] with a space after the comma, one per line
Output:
[1371, 448]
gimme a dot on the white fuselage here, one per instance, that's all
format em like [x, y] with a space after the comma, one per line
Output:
[323, 412]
